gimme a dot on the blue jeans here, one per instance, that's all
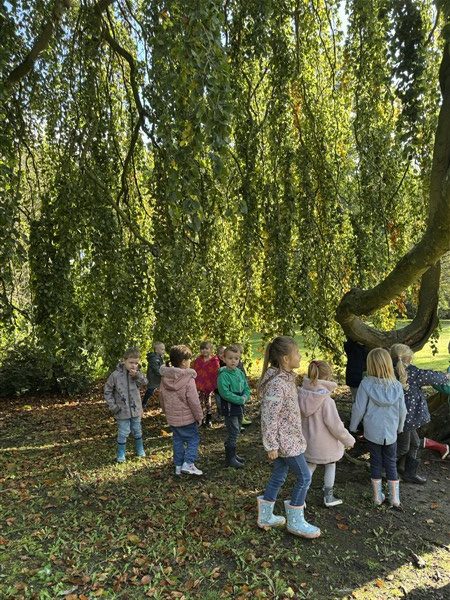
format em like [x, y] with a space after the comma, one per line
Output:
[383, 456]
[125, 426]
[186, 440]
[281, 466]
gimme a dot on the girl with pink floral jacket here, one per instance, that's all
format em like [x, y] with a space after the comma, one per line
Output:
[283, 439]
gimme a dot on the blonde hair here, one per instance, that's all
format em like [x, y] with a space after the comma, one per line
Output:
[319, 369]
[398, 353]
[275, 350]
[379, 364]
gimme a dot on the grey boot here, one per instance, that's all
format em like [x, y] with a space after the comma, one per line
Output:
[378, 496]
[410, 474]
[230, 458]
[394, 494]
[329, 499]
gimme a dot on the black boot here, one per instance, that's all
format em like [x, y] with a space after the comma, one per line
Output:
[401, 464]
[230, 458]
[208, 420]
[410, 474]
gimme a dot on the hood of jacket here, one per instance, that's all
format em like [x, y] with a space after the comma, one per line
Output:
[176, 378]
[311, 396]
[381, 391]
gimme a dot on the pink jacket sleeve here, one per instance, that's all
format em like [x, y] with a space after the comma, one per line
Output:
[334, 424]
[193, 401]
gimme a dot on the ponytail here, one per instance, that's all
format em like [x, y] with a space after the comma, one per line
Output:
[398, 353]
[313, 372]
[319, 369]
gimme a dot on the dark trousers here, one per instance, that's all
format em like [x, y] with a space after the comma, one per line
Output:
[383, 456]
[408, 443]
[233, 425]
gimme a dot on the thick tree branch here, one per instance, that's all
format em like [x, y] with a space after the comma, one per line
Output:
[421, 261]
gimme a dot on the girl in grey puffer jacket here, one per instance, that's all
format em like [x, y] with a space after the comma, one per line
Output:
[380, 404]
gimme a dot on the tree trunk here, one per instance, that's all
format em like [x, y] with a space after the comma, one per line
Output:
[422, 261]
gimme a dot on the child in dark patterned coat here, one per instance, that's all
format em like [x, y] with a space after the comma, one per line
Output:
[412, 379]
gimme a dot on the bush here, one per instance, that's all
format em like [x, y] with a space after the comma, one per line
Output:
[28, 369]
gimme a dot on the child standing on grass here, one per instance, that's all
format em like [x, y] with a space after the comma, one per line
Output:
[325, 434]
[207, 368]
[155, 361]
[181, 405]
[380, 404]
[283, 439]
[234, 392]
[412, 380]
[124, 401]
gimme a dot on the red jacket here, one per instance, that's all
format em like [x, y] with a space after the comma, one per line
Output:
[207, 371]
[179, 396]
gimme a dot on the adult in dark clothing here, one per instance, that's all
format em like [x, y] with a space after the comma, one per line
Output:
[155, 360]
[356, 364]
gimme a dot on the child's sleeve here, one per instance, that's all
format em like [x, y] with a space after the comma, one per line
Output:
[403, 413]
[428, 377]
[109, 395]
[140, 379]
[193, 401]
[247, 390]
[335, 425]
[359, 408]
[270, 410]
[224, 387]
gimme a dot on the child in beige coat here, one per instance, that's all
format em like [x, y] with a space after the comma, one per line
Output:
[325, 434]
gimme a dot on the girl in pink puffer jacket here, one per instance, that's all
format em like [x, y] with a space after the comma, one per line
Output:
[325, 434]
[181, 405]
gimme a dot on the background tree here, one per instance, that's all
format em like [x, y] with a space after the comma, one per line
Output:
[183, 170]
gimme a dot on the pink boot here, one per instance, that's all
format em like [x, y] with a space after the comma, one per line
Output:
[436, 446]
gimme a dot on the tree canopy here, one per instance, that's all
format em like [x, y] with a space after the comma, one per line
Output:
[204, 169]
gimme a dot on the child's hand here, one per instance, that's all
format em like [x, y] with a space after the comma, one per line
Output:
[133, 372]
[272, 455]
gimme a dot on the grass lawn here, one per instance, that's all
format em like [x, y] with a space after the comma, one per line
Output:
[427, 358]
[75, 525]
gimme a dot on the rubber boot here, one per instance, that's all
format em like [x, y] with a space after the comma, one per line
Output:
[410, 474]
[230, 458]
[266, 518]
[378, 496]
[329, 499]
[296, 522]
[208, 420]
[139, 447]
[394, 494]
[436, 446]
[121, 453]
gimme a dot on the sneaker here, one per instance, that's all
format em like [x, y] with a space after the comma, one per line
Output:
[178, 470]
[190, 469]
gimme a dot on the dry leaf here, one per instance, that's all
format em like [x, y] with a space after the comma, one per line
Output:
[342, 526]
[379, 583]
[146, 580]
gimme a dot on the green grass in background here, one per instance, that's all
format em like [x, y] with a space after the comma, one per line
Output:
[424, 359]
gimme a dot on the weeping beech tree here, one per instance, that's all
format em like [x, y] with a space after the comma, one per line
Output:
[191, 169]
